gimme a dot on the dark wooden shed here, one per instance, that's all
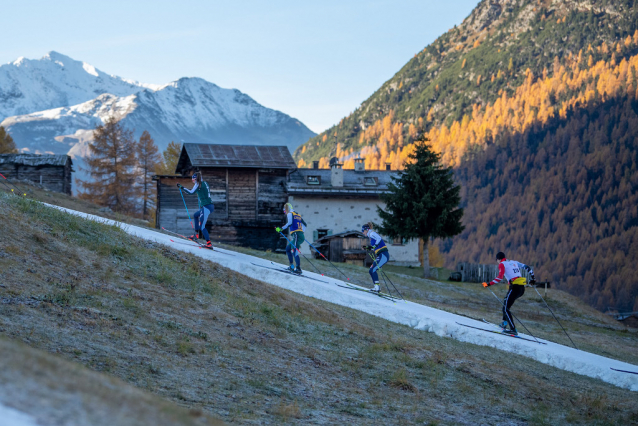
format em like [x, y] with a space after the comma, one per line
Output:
[344, 247]
[53, 172]
[247, 185]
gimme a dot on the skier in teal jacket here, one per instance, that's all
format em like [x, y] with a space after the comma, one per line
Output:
[206, 207]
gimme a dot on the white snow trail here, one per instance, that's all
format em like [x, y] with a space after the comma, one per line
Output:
[12, 417]
[417, 316]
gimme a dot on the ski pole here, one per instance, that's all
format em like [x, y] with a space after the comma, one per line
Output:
[14, 185]
[7, 185]
[304, 256]
[189, 215]
[320, 254]
[386, 276]
[515, 317]
[561, 326]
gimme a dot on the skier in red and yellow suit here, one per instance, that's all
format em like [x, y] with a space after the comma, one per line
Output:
[511, 271]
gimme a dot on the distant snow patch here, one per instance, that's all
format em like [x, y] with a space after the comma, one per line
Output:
[12, 417]
[90, 69]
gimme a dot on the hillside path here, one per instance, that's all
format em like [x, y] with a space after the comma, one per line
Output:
[444, 324]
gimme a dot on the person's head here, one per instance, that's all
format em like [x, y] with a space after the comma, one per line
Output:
[365, 228]
[287, 208]
[197, 177]
[500, 256]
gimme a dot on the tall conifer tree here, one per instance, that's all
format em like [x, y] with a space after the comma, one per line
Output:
[422, 202]
[111, 166]
[148, 159]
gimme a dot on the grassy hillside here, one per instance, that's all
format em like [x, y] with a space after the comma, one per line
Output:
[210, 339]
[55, 391]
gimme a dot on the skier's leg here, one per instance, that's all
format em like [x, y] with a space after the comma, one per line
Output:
[382, 259]
[289, 250]
[516, 292]
[373, 271]
[204, 218]
[196, 216]
[299, 239]
[295, 239]
[507, 304]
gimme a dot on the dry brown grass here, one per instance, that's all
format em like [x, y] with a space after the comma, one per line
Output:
[55, 391]
[213, 340]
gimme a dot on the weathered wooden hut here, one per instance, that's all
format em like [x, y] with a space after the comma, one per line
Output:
[343, 247]
[247, 185]
[53, 172]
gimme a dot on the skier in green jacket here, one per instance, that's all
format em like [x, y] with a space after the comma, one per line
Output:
[206, 207]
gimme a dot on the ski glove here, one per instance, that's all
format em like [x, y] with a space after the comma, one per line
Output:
[486, 285]
[278, 229]
[179, 185]
[532, 281]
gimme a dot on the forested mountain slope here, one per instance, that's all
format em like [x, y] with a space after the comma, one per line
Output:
[545, 91]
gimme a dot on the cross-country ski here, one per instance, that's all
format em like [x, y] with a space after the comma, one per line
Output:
[502, 333]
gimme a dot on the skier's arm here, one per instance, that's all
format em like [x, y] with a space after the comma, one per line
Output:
[528, 269]
[499, 277]
[375, 239]
[189, 191]
[289, 222]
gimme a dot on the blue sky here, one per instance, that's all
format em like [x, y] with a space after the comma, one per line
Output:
[316, 61]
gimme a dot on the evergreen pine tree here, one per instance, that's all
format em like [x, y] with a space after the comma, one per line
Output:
[422, 202]
[148, 159]
[7, 146]
[111, 165]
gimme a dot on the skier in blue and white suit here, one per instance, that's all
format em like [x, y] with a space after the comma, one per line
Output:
[377, 245]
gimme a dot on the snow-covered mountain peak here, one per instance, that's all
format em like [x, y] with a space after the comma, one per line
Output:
[53, 104]
[54, 81]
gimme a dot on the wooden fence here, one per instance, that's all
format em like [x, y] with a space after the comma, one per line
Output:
[479, 273]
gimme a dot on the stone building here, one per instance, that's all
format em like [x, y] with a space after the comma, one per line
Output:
[335, 200]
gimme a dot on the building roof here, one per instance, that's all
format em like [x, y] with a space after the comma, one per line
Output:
[344, 234]
[36, 159]
[196, 155]
[368, 183]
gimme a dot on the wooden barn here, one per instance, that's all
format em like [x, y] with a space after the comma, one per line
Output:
[344, 247]
[53, 172]
[247, 185]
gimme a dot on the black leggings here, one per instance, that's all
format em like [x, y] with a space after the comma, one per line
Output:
[514, 293]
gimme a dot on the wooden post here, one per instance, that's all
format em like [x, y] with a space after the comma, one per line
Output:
[545, 288]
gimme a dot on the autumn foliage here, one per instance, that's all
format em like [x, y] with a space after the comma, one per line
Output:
[572, 85]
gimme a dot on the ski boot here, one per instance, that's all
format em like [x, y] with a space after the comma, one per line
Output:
[511, 332]
[504, 325]
[291, 269]
[194, 237]
[376, 288]
[209, 245]
[297, 271]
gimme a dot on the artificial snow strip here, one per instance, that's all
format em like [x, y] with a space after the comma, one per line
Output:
[414, 315]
